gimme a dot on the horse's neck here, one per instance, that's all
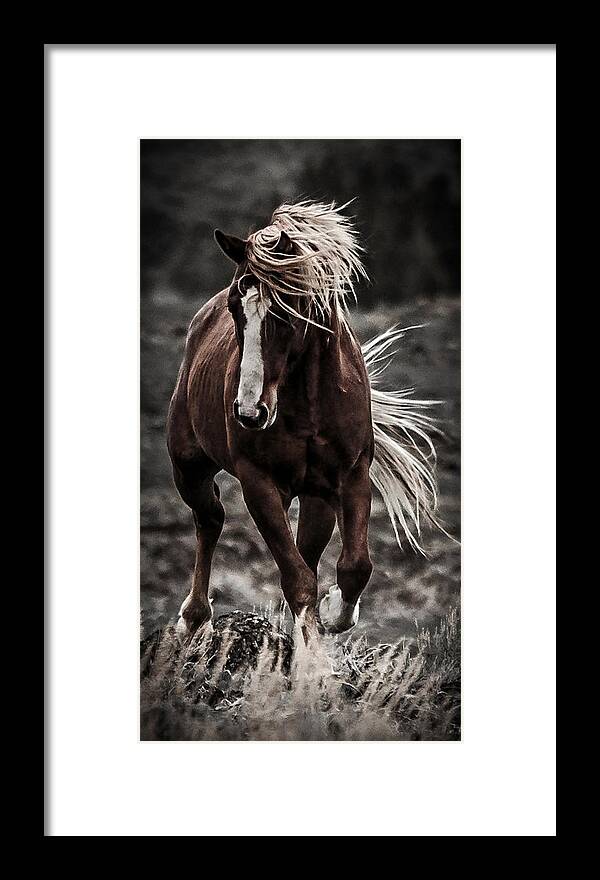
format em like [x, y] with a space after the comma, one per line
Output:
[319, 366]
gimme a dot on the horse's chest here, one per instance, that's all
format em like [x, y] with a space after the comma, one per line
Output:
[299, 465]
[323, 467]
[311, 465]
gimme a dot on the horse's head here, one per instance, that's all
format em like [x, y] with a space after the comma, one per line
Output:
[267, 335]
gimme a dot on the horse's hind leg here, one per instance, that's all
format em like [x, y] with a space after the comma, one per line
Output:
[315, 527]
[196, 485]
[338, 609]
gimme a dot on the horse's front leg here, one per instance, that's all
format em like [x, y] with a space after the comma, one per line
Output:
[267, 508]
[195, 482]
[338, 609]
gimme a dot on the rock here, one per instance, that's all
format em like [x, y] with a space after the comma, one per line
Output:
[248, 634]
[214, 667]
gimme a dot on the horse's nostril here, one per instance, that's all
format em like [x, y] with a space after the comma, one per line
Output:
[256, 422]
[263, 415]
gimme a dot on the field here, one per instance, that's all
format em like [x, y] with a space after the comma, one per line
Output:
[407, 592]
[250, 679]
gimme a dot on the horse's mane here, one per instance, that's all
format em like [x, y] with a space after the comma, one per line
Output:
[323, 268]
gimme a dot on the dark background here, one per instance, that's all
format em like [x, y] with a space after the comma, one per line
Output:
[408, 213]
[408, 207]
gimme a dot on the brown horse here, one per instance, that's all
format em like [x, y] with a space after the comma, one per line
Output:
[275, 389]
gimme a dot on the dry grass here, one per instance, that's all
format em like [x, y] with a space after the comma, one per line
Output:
[250, 680]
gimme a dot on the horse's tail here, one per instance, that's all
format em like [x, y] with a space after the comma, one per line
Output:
[403, 468]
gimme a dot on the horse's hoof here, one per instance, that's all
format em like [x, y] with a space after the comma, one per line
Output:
[190, 620]
[335, 614]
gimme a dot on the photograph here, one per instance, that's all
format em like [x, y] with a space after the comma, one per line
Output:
[300, 439]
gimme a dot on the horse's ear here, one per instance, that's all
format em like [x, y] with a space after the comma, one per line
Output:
[285, 245]
[232, 246]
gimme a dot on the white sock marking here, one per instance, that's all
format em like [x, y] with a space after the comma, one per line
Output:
[336, 614]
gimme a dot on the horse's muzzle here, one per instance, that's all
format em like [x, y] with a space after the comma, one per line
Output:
[252, 423]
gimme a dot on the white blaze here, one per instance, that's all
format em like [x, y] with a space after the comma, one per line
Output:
[252, 369]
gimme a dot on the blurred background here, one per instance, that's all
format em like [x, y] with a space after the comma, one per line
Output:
[407, 209]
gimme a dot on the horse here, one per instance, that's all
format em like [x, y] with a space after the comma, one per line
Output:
[275, 389]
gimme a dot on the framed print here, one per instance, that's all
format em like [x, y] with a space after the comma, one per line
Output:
[301, 352]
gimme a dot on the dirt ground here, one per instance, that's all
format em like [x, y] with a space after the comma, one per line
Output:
[405, 586]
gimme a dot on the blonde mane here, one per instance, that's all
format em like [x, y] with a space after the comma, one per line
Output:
[324, 267]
